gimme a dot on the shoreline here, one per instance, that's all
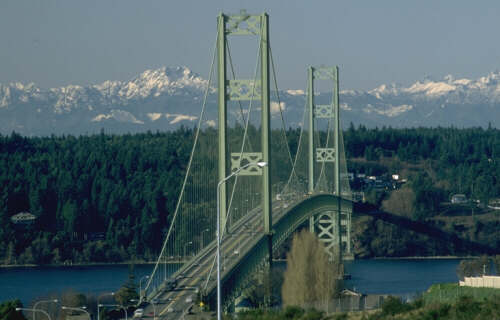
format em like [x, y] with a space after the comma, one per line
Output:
[423, 258]
[86, 264]
[407, 258]
[97, 264]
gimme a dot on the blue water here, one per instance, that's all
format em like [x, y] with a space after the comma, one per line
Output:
[399, 277]
[35, 283]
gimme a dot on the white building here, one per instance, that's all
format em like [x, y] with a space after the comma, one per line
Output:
[458, 198]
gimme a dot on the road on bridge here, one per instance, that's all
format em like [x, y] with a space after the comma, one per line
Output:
[175, 303]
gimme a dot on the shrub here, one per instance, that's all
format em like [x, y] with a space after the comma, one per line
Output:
[394, 305]
[293, 312]
[8, 310]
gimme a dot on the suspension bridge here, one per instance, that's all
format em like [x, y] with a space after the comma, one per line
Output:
[260, 207]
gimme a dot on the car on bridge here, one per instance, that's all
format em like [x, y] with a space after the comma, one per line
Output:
[138, 313]
[171, 284]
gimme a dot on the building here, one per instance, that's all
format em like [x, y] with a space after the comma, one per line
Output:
[481, 282]
[458, 198]
[23, 218]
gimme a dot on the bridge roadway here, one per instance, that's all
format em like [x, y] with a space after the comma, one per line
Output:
[192, 276]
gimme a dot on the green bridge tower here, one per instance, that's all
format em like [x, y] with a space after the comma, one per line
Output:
[333, 228]
[241, 90]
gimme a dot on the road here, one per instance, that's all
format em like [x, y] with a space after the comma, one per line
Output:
[247, 231]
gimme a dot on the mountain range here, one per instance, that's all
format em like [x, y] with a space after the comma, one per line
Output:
[168, 97]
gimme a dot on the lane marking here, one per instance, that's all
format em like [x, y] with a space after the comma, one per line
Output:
[206, 266]
[205, 261]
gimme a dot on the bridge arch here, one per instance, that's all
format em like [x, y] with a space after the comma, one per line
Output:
[254, 260]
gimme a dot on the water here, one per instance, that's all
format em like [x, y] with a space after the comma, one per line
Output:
[399, 277]
[404, 277]
[34, 283]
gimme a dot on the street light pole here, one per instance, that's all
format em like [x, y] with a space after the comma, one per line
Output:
[261, 165]
[82, 309]
[102, 295]
[34, 310]
[42, 301]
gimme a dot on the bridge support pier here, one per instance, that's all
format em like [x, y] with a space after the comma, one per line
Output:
[325, 226]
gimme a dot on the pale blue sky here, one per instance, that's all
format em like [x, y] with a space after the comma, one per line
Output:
[55, 43]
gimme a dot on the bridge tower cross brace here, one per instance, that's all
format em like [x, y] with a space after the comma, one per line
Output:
[328, 224]
[257, 25]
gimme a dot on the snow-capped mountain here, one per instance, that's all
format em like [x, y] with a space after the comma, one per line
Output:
[168, 97]
[447, 102]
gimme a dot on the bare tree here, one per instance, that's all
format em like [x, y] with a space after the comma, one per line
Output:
[473, 267]
[71, 298]
[496, 263]
[310, 277]
[265, 288]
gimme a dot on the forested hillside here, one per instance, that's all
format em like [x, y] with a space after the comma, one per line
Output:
[107, 198]
[439, 162]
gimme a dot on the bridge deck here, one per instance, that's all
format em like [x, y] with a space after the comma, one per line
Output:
[235, 246]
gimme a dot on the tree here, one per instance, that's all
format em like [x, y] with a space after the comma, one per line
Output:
[129, 290]
[427, 197]
[10, 254]
[73, 299]
[496, 263]
[8, 310]
[401, 202]
[264, 290]
[310, 277]
[474, 267]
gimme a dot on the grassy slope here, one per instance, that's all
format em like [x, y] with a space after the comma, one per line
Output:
[450, 292]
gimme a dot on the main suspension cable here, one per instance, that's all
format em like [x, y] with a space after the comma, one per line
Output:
[188, 167]
[279, 107]
[294, 173]
[241, 153]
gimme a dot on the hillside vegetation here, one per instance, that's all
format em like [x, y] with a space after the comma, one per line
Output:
[108, 198]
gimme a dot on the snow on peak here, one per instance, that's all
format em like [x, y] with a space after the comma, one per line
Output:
[179, 118]
[164, 79]
[276, 108]
[384, 90]
[389, 110]
[295, 92]
[118, 115]
[463, 82]
[483, 88]
[153, 116]
[108, 88]
[345, 106]
[431, 88]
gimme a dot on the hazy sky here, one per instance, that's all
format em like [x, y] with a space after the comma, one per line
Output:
[55, 43]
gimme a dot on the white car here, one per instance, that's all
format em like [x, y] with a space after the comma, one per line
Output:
[189, 299]
[138, 313]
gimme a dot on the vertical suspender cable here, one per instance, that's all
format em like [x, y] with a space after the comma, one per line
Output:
[188, 168]
[241, 152]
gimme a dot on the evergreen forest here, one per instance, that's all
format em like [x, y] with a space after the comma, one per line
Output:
[109, 198]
